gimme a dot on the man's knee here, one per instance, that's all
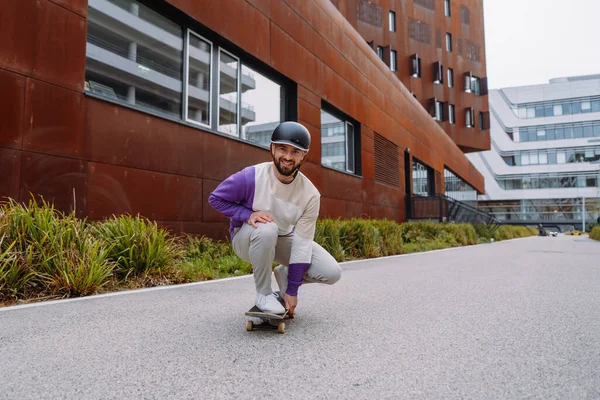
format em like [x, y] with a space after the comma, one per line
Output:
[265, 233]
[334, 273]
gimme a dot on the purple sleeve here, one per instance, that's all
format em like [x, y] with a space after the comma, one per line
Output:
[295, 275]
[235, 195]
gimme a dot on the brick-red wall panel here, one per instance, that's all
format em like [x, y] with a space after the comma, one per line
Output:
[17, 46]
[12, 100]
[54, 120]
[114, 189]
[60, 47]
[59, 180]
[10, 165]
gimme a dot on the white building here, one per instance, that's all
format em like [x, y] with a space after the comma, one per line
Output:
[544, 162]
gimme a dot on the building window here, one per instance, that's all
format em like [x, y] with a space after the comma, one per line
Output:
[339, 139]
[484, 120]
[449, 42]
[422, 179]
[450, 78]
[447, 10]
[392, 21]
[137, 66]
[469, 117]
[438, 73]
[393, 60]
[472, 84]
[380, 52]
[451, 114]
[137, 57]
[415, 66]
[458, 189]
[228, 93]
[436, 109]
[261, 106]
[198, 101]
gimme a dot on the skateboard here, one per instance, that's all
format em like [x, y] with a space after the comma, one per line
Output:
[277, 319]
[270, 321]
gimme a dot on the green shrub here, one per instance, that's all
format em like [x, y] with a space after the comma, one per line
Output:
[137, 245]
[360, 239]
[206, 259]
[390, 237]
[595, 233]
[327, 234]
[50, 251]
[14, 273]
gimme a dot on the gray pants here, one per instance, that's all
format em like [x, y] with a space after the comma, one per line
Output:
[261, 246]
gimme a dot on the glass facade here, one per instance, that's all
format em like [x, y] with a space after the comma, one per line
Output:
[559, 132]
[555, 109]
[551, 210]
[458, 189]
[549, 181]
[553, 156]
[137, 57]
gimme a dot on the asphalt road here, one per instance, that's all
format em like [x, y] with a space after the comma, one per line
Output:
[517, 319]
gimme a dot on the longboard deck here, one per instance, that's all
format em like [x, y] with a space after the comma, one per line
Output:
[257, 312]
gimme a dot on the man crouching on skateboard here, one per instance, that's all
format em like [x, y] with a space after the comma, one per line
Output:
[273, 209]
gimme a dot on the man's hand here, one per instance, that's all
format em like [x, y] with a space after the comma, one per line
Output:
[259, 216]
[290, 303]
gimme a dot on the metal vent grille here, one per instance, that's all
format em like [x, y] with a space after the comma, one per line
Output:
[386, 162]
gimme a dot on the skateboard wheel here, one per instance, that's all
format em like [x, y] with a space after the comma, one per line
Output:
[249, 326]
[281, 327]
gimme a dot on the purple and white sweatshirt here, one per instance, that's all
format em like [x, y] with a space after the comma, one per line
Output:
[294, 206]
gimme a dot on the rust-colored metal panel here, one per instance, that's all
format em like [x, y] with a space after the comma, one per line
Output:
[61, 181]
[17, 47]
[264, 6]
[309, 113]
[224, 156]
[293, 60]
[332, 208]
[314, 172]
[216, 230]
[159, 196]
[337, 185]
[10, 165]
[236, 20]
[60, 47]
[54, 120]
[12, 87]
[77, 6]
[118, 135]
[314, 155]
[210, 214]
[292, 23]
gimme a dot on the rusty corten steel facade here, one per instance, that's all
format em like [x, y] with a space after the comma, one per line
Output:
[376, 31]
[101, 158]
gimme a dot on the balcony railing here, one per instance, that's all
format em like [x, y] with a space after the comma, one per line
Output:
[446, 209]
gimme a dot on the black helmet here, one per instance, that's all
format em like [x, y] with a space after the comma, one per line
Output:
[292, 133]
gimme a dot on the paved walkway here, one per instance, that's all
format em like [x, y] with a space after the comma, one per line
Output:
[517, 319]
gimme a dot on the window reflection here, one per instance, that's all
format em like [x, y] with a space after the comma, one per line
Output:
[134, 55]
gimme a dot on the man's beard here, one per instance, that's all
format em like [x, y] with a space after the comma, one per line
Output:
[286, 172]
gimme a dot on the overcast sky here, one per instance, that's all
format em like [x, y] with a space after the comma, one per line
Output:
[529, 42]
